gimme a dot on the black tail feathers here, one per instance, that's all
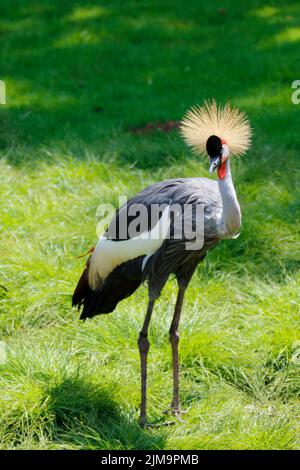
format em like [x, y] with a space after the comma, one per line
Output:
[116, 287]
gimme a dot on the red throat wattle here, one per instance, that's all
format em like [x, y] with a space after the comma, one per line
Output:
[222, 171]
[222, 167]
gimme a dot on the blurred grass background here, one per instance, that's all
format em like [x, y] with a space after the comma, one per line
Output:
[79, 75]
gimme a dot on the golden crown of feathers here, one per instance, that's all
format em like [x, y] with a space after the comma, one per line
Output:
[228, 123]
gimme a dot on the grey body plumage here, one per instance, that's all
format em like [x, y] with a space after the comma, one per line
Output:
[171, 258]
[173, 255]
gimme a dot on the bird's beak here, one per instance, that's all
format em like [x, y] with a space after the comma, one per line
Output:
[214, 162]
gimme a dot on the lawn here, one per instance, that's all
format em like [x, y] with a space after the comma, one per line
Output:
[79, 77]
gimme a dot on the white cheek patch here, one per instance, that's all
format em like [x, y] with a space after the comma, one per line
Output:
[225, 151]
[109, 254]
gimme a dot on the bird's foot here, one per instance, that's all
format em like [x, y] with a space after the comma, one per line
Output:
[160, 424]
[144, 423]
[176, 411]
[178, 415]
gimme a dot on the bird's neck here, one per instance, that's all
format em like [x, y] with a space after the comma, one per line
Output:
[231, 212]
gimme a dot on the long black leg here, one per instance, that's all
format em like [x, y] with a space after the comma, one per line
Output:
[174, 340]
[144, 346]
[183, 278]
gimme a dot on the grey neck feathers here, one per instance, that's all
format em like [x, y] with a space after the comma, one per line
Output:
[231, 213]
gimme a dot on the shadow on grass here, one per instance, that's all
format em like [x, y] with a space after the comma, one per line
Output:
[85, 73]
[87, 417]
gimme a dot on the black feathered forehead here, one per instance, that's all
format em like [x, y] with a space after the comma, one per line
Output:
[214, 146]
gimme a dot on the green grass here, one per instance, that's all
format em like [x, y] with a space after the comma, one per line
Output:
[68, 384]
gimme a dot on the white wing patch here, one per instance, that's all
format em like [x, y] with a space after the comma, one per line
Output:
[109, 254]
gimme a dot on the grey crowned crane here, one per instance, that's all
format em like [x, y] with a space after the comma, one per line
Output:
[119, 264]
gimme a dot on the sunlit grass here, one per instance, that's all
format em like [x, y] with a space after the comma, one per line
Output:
[65, 148]
[288, 35]
[266, 11]
[86, 13]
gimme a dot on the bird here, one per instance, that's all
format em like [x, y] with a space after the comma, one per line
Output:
[159, 247]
